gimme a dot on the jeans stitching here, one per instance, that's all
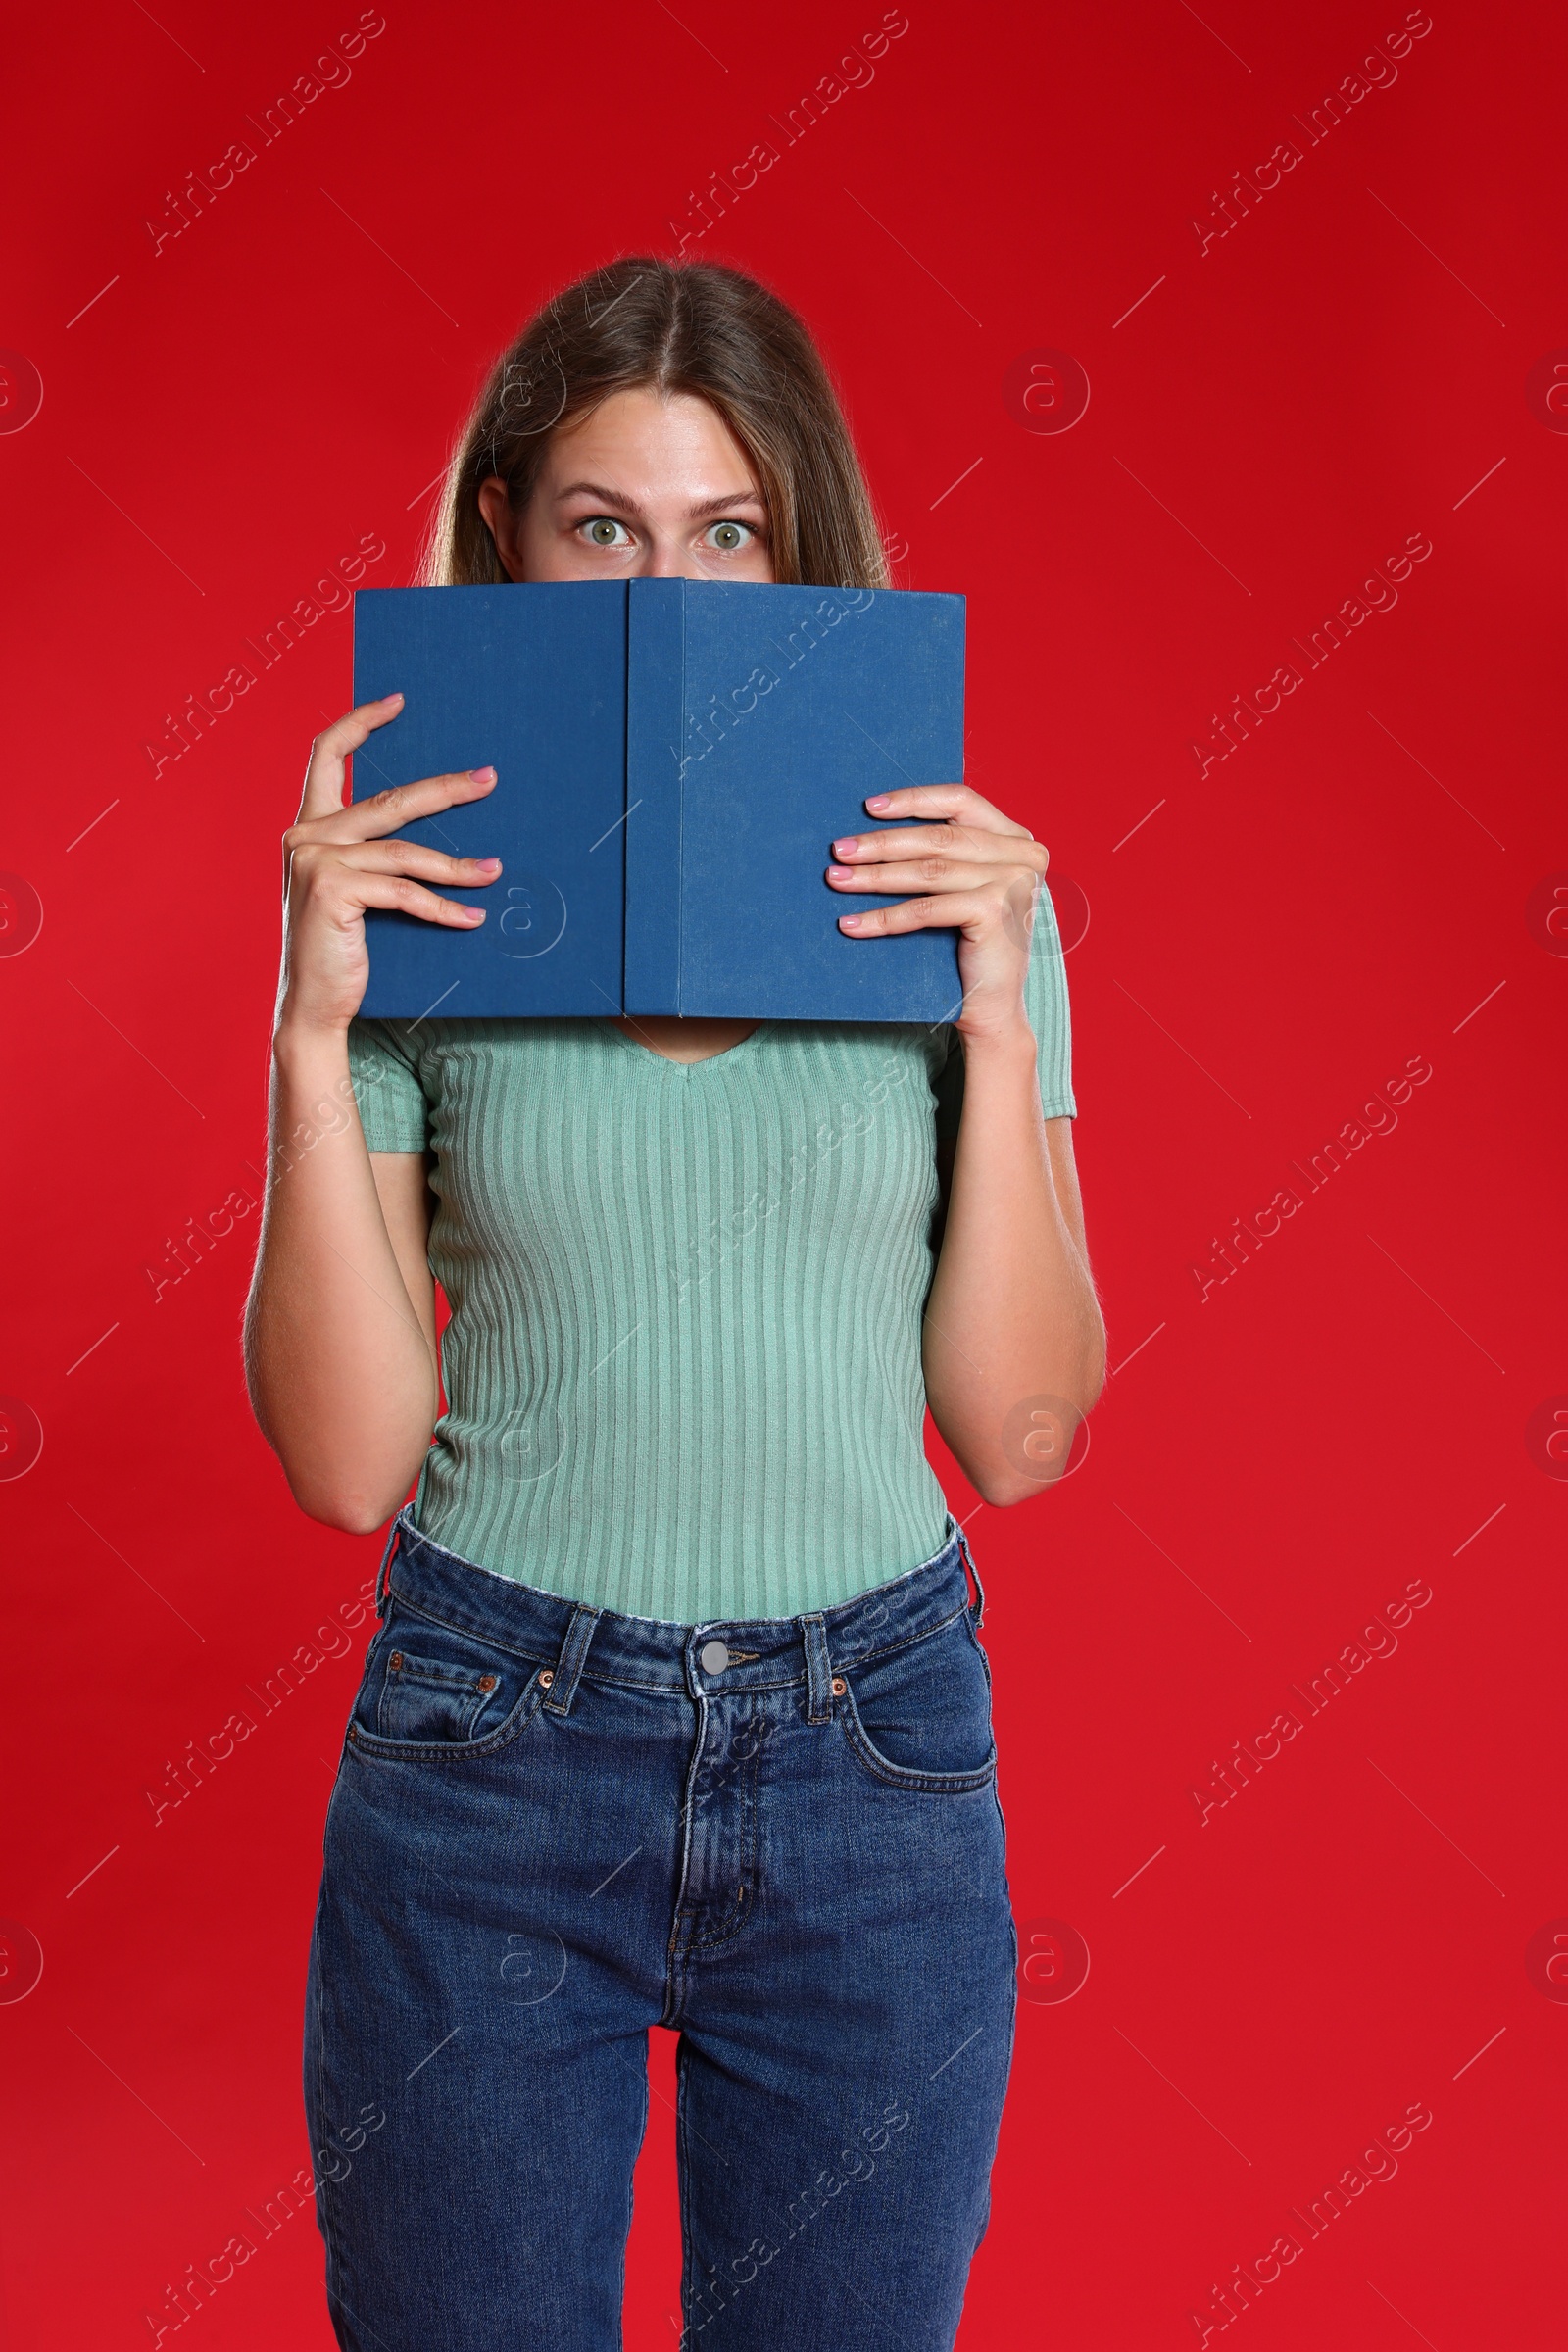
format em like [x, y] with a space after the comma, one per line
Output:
[379, 1749]
[610, 1681]
[744, 1905]
[684, 2168]
[450, 1681]
[675, 1969]
[907, 1776]
[928, 1784]
[891, 1649]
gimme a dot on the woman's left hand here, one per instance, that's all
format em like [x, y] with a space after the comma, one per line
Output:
[976, 871]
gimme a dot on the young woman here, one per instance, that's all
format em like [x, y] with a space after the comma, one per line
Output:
[677, 1714]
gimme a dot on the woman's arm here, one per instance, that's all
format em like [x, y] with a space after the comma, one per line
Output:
[1013, 1344]
[340, 1346]
[1012, 1322]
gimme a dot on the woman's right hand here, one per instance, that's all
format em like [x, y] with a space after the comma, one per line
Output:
[335, 864]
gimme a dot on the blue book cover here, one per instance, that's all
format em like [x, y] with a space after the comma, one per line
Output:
[674, 760]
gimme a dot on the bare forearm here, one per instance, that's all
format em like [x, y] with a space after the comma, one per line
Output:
[341, 1370]
[1012, 1313]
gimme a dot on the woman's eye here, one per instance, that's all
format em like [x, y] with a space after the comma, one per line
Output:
[729, 537]
[604, 531]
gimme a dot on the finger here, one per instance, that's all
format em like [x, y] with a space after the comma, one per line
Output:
[408, 898]
[967, 911]
[902, 842]
[932, 873]
[325, 769]
[413, 857]
[400, 804]
[961, 801]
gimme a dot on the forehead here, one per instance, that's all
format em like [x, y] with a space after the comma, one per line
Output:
[644, 439]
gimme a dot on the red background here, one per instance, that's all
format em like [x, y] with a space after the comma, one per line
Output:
[229, 416]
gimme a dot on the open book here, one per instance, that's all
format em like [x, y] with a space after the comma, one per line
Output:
[675, 758]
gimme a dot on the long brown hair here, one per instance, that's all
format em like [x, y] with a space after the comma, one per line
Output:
[679, 326]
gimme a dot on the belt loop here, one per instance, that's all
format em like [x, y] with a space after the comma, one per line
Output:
[977, 1606]
[384, 1574]
[819, 1670]
[569, 1664]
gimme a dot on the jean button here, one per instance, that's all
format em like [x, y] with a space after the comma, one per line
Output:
[714, 1657]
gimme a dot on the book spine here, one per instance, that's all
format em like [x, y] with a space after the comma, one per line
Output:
[365, 667]
[655, 752]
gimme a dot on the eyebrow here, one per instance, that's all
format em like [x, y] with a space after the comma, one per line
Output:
[629, 506]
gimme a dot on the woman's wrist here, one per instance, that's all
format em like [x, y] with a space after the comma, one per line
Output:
[1003, 1044]
[307, 1054]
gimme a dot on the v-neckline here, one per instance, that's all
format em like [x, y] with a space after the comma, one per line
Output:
[684, 1069]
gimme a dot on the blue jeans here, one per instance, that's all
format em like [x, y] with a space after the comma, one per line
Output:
[554, 1826]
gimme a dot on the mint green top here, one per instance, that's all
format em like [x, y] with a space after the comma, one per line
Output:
[683, 1365]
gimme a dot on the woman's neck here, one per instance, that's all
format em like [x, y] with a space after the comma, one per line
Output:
[681, 1038]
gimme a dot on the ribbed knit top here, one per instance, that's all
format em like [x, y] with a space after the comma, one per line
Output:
[683, 1362]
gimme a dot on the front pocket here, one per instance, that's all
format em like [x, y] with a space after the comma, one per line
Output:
[920, 1717]
[435, 1691]
[428, 1698]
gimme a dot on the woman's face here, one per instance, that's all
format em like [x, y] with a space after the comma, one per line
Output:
[647, 486]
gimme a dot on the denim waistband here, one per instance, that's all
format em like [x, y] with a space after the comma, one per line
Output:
[575, 1641]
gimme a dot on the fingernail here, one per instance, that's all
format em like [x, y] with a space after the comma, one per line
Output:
[482, 775]
[392, 698]
[846, 846]
[475, 915]
[878, 799]
[488, 865]
[839, 873]
[849, 921]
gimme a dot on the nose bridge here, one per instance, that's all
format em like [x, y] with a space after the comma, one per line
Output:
[667, 558]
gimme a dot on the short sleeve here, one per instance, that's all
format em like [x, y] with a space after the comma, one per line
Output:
[392, 1107]
[1044, 996]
